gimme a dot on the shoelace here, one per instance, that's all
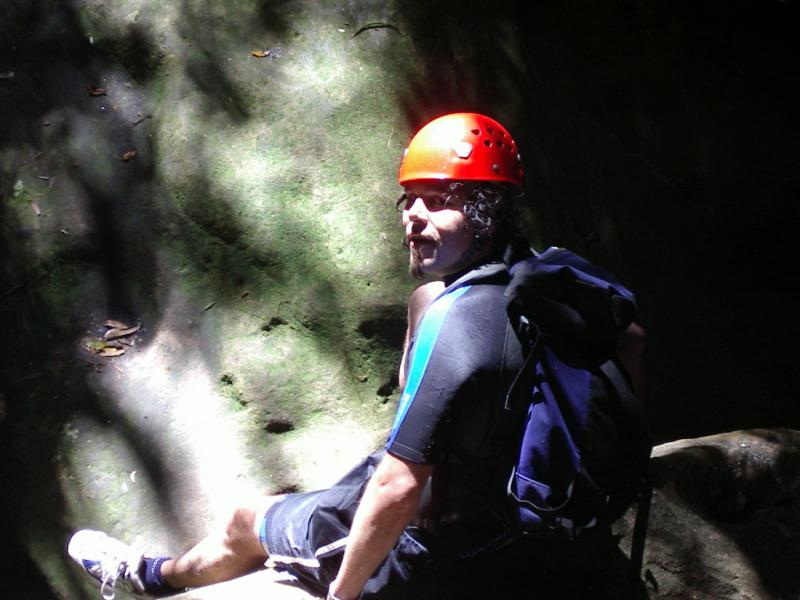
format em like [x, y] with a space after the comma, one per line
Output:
[109, 580]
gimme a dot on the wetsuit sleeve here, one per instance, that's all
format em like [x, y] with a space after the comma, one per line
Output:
[446, 360]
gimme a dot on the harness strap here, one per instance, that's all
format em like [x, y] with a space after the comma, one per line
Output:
[529, 325]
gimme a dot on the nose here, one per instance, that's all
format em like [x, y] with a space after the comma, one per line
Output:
[416, 211]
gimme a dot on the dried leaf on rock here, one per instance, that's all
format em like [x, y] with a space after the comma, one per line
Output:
[6, 74]
[267, 52]
[36, 208]
[95, 345]
[128, 155]
[109, 351]
[120, 332]
[376, 25]
[96, 91]
[116, 324]
[209, 306]
[140, 117]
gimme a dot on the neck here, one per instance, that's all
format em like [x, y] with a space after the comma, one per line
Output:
[477, 254]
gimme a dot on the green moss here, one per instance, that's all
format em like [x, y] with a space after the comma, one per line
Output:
[25, 203]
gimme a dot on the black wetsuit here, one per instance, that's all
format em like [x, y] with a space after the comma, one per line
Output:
[452, 414]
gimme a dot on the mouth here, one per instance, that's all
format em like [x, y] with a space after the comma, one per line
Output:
[421, 249]
[415, 241]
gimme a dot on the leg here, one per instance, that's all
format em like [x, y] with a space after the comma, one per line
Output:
[232, 550]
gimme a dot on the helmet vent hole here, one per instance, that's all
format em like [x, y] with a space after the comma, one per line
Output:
[476, 131]
[490, 131]
[487, 143]
[499, 143]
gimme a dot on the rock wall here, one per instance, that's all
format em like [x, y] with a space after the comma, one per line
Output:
[222, 177]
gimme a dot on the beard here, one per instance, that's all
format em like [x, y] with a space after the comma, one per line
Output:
[415, 263]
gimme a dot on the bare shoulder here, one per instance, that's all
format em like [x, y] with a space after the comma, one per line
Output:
[426, 292]
[420, 299]
[417, 303]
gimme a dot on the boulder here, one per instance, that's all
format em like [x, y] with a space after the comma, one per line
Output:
[725, 517]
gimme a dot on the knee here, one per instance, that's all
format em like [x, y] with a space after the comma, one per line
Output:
[239, 530]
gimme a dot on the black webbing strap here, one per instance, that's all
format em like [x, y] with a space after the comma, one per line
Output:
[640, 528]
[618, 378]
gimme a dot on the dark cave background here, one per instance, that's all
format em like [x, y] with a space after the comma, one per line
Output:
[682, 129]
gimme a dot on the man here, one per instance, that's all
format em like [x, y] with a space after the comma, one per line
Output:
[399, 524]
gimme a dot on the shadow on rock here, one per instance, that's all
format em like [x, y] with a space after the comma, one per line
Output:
[77, 246]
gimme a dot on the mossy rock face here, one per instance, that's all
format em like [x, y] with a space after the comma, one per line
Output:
[224, 176]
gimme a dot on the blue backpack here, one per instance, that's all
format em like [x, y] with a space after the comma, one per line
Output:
[584, 446]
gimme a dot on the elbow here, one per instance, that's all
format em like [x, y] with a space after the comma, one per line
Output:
[397, 485]
[401, 493]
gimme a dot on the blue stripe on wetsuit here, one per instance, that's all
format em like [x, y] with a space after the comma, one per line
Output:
[423, 349]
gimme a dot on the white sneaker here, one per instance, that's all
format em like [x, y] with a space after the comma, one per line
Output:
[112, 564]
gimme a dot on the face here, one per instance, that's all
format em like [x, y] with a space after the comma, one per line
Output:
[437, 232]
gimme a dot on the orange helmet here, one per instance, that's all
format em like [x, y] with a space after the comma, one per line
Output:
[465, 146]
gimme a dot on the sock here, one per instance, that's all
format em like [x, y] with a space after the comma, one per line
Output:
[154, 582]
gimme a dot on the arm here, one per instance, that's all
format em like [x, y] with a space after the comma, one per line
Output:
[389, 503]
[630, 349]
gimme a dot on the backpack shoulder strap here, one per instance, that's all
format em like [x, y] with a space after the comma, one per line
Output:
[533, 336]
[619, 379]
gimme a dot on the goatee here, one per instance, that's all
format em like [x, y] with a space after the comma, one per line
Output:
[415, 263]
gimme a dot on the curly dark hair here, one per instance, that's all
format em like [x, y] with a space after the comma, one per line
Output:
[492, 210]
